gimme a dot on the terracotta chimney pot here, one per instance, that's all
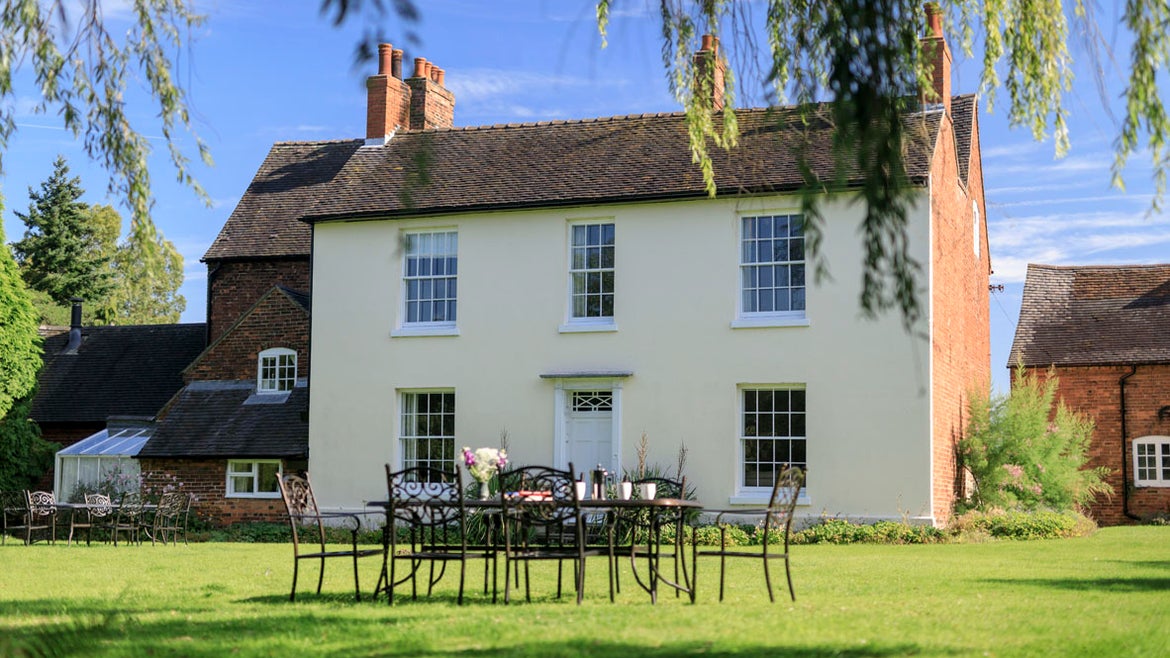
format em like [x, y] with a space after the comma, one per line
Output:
[420, 67]
[384, 58]
[396, 64]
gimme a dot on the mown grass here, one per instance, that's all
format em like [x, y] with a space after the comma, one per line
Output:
[1105, 595]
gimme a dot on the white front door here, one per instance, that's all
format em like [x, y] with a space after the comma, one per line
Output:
[589, 430]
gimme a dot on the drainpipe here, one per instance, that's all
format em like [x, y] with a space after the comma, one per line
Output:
[1124, 452]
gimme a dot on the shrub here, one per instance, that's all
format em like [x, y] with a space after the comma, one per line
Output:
[1013, 524]
[1027, 451]
[708, 535]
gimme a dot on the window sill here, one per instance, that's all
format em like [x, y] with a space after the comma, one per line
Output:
[433, 330]
[1146, 484]
[762, 499]
[260, 496]
[769, 322]
[587, 327]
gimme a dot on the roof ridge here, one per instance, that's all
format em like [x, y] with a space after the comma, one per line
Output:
[314, 142]
[1099, 267]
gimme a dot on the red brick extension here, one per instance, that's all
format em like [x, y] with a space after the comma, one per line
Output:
[234, 286]
[1096, 392]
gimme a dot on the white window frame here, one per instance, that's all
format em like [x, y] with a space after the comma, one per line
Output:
[1157, 449]
[254, 472]
[586, 323]
[746, 319]
[975, 225]
[405, 436]
[759, 494]
[272, 386]
[430, 238]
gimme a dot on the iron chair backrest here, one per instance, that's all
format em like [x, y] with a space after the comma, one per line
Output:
[541, 495]
[171, 516]
[297, 493]
[41, 504]
[782, 504]
[98, 505]
[425, 497]
[131, 507]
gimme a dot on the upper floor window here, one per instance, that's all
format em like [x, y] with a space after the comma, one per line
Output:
[253, 478]
[591, 272]
[1151, 461]
[772, 434]
[772, 266]
[429, 278]
[277, 371]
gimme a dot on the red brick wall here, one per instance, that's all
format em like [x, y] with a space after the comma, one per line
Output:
[431, 106]
[234, 286]
[960, 330]
[207, 480]
[1096, 392]
[276, 321]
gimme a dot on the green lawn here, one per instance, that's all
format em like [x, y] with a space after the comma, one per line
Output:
[1106, 595]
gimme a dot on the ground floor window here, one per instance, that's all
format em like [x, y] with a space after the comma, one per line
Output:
[1151, 461]
[772, 434]
[253, 478]
[428, 429]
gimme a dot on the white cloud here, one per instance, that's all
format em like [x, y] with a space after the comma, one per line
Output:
[487, 84]
[1086, 238]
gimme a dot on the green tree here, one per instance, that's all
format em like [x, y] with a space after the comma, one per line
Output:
[20, 344]
[148, 271]
[24, 455]
[81, 70]
[1028, 451]
[60, 253]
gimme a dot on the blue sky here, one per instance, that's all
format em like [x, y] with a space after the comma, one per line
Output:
[272, 70]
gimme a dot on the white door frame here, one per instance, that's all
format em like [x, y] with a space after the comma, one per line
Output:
[561, 396]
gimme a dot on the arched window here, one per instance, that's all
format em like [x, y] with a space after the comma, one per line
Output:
[277, 370]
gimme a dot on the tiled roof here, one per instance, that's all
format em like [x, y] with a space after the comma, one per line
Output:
[1094, 316]
[963, 109]
[264, 222]
[561, 163]
[130, 371]
[228, 419]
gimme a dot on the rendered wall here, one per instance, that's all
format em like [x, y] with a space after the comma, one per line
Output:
[869, 428]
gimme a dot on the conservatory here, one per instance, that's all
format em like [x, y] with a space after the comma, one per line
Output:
[105, 458]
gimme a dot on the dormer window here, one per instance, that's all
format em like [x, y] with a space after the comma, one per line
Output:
[277, 372]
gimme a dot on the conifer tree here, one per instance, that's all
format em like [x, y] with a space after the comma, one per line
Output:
[60, 254]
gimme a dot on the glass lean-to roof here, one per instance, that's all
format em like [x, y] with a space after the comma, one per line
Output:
[125, 442]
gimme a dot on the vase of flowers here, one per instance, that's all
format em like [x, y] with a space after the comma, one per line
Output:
[483, 463]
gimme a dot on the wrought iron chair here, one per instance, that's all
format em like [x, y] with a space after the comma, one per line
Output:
[543, 521]
[633, 525]
[304, 517]
[171, 517]
[18, 516]
[428, 504]
[97, 508]
[42, 512]
[128, 518]
[777, 517]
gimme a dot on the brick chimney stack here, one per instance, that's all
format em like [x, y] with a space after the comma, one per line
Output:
[938, 55]
[709, 72]
[387, 97]
[431, 104]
